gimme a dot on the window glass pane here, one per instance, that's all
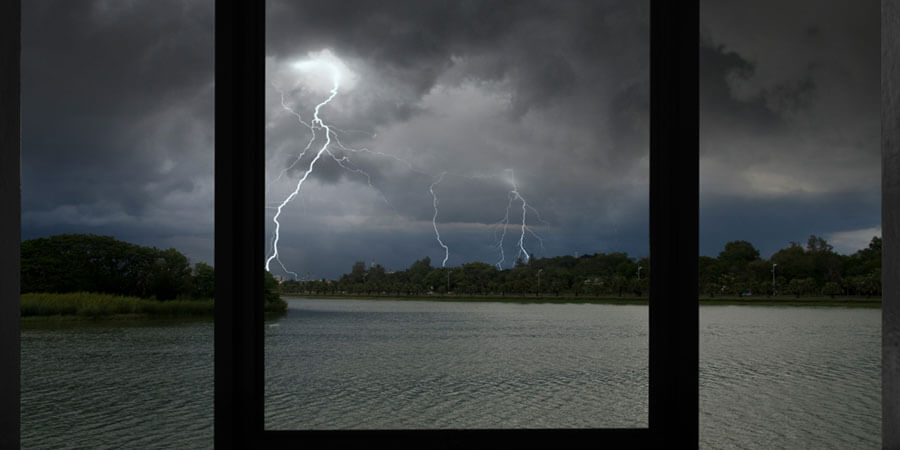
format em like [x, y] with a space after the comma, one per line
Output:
[457, 214]
[117, 153]
[789, 224]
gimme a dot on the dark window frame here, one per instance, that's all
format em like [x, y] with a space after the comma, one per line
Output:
[10, 220]
[239, 252]
[232, 430]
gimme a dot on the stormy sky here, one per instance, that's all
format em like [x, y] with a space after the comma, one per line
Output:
[118, 126]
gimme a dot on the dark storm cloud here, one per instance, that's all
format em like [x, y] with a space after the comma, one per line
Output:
[399, 34]
[109, 58]
[117, 123]
[717, 65]
[556, 91]
[787, 104]
[413, 43]
[117, 119]
[789, 99]
[795, 219]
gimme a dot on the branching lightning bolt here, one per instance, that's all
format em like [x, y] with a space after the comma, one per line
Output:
[308, 144]
[437, 234]
[336, 142]
[514, 194]
[504, 224]
[316, 122]
[318, 128]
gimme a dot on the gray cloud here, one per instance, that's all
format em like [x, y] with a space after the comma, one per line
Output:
[789, 119]
[118, 120]
[552, 93]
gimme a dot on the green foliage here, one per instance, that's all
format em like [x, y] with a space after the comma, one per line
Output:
[831, 289]
[93, 305]
[817, 244]
[270, 286]
[203, 281]
[598, 274]
[84, 262]
[801, 286]
[738, 269]
[113, 270]
[737, 255]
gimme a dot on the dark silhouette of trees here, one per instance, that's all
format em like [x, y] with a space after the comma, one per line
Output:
[102, 264]
[811, 270]
[203, 281]
[90, 263]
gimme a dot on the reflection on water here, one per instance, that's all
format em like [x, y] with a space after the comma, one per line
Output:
[769, 377]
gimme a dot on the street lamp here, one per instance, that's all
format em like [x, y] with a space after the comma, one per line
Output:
[773, 279]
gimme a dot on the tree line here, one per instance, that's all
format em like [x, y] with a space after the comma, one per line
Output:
[812, 270]
[613, 274]
[90, 263]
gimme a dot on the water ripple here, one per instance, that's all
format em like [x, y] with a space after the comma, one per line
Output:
[769, 377]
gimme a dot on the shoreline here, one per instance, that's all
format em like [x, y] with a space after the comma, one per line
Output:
[704, 301]
[39, 309]
[88, 307]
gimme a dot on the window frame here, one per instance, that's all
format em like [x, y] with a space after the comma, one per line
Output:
[239, 249]
[10, 221]
[890, 223]
[231, 429]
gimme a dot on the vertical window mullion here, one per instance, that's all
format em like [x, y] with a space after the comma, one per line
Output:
[890, 223]
[10, 222]
[239, 216]
[674, 222]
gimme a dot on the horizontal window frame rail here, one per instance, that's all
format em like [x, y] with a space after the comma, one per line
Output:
[240, 237]
[457, 438]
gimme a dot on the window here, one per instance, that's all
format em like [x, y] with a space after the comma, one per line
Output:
[503, 148]
[239, 416]
[240, 244]
[774, 107]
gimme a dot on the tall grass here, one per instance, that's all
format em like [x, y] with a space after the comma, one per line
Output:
[88, 304]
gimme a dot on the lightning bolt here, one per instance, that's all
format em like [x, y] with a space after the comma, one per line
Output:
[504, 225]
[336, 142]
[437, 234]
[308, 145]
[319, 129]
[317, 122]
[514, 194]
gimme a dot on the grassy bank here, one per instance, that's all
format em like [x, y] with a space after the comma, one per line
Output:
[752, 301]
[847, 302]
[86, 305]
[485, 298]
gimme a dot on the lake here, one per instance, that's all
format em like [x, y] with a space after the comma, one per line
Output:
[782, 377]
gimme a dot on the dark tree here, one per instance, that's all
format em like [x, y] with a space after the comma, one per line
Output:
[203, 281]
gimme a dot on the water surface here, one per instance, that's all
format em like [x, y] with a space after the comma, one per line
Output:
[770, 377]
[117, 385]
[401, 364]
[788, 377]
